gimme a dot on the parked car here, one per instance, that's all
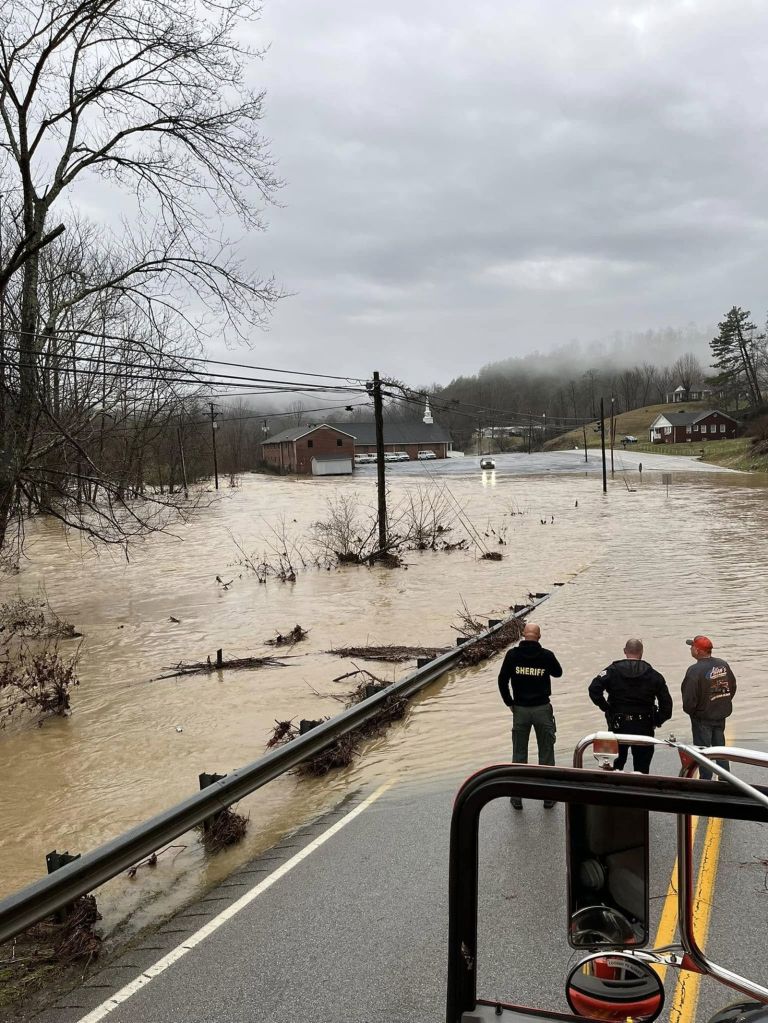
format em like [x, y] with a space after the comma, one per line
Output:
[391, 456]
[487, 463]
[425, 455]
[403, 456]
[629, 439]
[364, 459]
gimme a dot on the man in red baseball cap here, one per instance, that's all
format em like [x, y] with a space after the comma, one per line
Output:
[708, 689]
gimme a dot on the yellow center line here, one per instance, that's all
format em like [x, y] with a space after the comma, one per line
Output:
[683, 1008]
[667, 929]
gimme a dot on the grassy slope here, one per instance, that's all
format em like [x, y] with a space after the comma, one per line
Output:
[735, 454]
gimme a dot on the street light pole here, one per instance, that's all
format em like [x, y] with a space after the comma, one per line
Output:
[613, 431]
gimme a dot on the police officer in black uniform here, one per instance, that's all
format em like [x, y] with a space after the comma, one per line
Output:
[635, 699]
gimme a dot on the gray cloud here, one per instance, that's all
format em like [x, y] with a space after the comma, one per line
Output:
[466, 182]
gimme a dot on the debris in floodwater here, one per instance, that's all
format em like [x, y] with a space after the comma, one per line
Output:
[491, 556]
[70, 940]
[482, 649]
[209, 666]
[179, 728]
[341, 752]
[391, 653]
[296, 635]
[176, 620]
[226, 827]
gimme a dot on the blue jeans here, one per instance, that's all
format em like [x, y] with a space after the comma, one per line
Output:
[709, 733]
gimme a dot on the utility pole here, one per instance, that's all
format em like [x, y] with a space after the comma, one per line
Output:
[584, 428]
[381, 485]
[530, 434]
[543, 430]
[214, 427]
[602, 445]
[613, 431]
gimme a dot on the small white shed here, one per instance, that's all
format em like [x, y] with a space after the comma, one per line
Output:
[331, 465]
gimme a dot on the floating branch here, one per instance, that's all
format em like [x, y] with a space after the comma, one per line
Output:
[391, 653]
[296, 635]
[209, 666]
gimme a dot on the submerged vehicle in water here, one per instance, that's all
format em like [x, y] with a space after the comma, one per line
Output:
[608, 881]
[487, 463]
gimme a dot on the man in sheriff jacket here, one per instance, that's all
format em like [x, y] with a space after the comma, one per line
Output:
[635, 699]
[525, 684]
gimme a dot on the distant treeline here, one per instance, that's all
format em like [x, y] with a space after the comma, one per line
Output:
[563, 388]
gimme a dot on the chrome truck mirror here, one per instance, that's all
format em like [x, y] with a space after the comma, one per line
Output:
[616, 988]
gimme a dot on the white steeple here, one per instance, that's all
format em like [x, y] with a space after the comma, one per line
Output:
[427, 413]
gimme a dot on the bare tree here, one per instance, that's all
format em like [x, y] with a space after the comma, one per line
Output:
[149, 96]
[648, 373]
[297, 410]
[687, 371]
[629, 386]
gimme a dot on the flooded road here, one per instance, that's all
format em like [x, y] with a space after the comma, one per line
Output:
[637, 562]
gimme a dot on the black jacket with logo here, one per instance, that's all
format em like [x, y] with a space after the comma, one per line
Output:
[708, 689]
[525, 673]
[631, 686]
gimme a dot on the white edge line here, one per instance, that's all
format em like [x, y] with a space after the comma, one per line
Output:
[116, 1000]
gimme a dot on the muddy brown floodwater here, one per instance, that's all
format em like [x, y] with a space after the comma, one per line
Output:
[637, 563]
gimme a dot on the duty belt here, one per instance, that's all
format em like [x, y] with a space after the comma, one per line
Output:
[633, 717]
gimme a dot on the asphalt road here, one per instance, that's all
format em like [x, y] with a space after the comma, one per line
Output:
[356, 929]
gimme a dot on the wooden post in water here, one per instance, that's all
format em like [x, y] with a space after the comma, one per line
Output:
[584, 429]
[613, 432]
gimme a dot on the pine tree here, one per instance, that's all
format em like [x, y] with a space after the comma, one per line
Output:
[732, 352]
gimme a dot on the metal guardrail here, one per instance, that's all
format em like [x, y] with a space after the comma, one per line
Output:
[46, 896]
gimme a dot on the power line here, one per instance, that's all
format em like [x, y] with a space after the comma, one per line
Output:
[146, 346]
[115, 370]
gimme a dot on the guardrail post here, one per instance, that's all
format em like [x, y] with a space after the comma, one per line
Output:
[461, 640]
[219, 658]
[306, 725]
[493, 622]
[206, 780]
[422, 661]
[53, 861]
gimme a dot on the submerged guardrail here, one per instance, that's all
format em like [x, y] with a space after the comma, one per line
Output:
[44, 897]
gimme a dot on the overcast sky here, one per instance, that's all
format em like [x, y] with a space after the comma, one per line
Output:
[469, 181]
